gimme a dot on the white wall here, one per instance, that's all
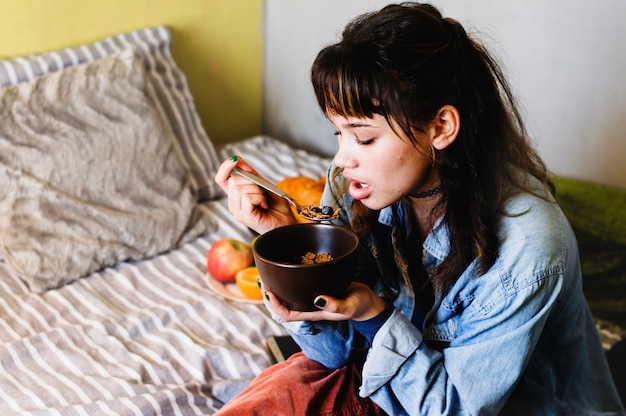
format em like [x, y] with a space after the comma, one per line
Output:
[566, 60]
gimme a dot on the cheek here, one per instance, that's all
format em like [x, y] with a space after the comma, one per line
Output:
[408, 161]
[410, 167]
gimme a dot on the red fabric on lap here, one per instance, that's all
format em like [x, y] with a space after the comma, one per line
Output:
[300, 386]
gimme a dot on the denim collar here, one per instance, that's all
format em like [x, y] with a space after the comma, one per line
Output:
[437, 242]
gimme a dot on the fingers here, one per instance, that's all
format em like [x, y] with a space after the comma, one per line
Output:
[283, 312]
[249, 203]
[360, 303]
[245, 198]
[225, 169]
[223, 172]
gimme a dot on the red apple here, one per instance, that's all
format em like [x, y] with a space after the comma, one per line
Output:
[226, 257]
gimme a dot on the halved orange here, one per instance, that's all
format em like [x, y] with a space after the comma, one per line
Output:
[246, 280]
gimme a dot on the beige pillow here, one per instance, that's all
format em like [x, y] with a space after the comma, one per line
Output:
[173, 96]
[88, 173]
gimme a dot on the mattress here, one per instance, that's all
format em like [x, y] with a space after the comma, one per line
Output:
[155, 336]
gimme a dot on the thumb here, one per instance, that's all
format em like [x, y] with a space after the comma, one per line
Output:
[320, 302]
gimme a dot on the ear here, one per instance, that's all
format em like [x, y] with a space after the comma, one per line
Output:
[446, 127]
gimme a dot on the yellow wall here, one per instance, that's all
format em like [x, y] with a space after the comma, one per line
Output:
[217, 43]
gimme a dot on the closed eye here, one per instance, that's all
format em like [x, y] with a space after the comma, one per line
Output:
[356, 139]
[364, 142]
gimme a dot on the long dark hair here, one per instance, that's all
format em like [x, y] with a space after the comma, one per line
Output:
[405, 62]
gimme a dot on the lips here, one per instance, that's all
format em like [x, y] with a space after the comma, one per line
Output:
[358, 190]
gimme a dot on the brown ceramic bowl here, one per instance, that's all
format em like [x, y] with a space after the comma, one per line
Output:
[278, 256]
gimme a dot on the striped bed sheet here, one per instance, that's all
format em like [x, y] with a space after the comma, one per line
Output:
[142, 338]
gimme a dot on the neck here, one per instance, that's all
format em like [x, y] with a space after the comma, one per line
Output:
[425, 194]
[423, 204]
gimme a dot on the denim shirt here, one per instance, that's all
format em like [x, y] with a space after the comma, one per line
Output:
[518, 339]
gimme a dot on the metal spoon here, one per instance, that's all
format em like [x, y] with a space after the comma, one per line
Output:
[308, 212]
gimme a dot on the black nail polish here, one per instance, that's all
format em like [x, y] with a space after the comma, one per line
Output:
[320, 302]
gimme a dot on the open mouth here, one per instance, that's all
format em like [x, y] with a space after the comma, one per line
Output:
[359, 190]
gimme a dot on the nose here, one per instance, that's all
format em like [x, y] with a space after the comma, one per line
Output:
[342, 157]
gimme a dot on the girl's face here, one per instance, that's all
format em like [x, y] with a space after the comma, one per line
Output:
[382, 166]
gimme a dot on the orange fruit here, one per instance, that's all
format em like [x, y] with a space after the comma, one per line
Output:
[303, 189]
[246, 280]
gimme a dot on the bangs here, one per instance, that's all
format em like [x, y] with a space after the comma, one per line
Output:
[350, 80]
[347, 83]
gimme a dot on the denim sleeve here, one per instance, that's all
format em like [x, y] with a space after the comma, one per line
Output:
[405, 376]
[331, 344]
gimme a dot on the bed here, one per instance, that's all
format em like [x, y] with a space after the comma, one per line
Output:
[108, 209]
[109, 309]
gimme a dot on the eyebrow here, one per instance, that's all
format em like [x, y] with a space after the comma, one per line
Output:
[356, 125]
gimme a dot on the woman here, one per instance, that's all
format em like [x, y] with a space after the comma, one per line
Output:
[469, 298]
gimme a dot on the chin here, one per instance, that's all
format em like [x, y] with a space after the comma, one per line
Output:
[373, 204]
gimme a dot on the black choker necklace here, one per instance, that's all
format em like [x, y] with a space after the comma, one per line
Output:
[426, 194]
